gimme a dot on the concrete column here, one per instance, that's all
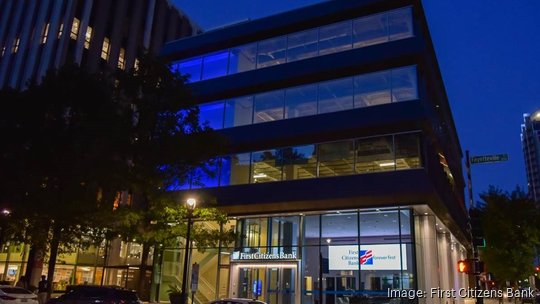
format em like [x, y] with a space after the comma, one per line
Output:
[427, 261]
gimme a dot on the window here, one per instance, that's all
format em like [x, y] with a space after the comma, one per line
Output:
[266, 166]
[75, 29]
[88, 38]
[212, 114]
[60, 30]
[370, 30]
[271, 52]
[16, 45]
[299, 162]
[335, 38]
[215, 65]
[335, 95]
[136, 64]
[404, 84]
[302, 45]
[235, 169]
[45, 33]
[243, 58]
[105, 49]
[400, 24]
[407, 149]
[192, 68]
[238, 112]
[374, 154]
[336, 158]
[372, 89]
[301, 101]
[268, 106]
[122, 59]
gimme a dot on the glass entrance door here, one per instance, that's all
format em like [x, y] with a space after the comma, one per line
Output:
[272, 283]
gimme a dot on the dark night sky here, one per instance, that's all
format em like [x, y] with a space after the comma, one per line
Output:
[489, 55]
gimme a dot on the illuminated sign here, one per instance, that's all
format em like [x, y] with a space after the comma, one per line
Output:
[370, 257]
[263, 256]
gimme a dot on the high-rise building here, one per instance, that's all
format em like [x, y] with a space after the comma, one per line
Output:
[36, 35]
[344, 177]
[530, 142]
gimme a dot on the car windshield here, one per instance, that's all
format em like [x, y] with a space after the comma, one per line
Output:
[15, 290]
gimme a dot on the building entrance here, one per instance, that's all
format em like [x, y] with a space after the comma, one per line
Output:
[274, 283]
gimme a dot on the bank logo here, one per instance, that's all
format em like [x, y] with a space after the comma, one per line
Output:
[366, 257]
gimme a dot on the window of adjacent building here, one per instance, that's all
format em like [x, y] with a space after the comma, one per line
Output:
[215, 65]
[374, 154]
[238, 112]
[87, 37]
[243, 58]
[336, 158]
[299, 162]
[136, 64]
[302, 45]
[105, 49]
[268, 106]
[335, 95]
[122, 59]
[301, 101]
[3, 50]
[60, 30]
[75, 28]
[266, 166]
[272, 52]
[335, 38]
[45, 33]
[16, 43]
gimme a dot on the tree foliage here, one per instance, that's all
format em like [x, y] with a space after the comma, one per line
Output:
[510, 224]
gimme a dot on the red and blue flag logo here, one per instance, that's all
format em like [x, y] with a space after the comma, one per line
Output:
[366, 257]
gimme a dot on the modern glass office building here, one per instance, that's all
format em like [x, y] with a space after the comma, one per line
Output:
[343, 176]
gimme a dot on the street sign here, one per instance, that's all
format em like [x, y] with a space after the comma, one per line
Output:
[489, 158]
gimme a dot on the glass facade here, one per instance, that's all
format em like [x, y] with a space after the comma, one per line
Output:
[329, 257]
[353, 156]
[342, 94]
[328, 39]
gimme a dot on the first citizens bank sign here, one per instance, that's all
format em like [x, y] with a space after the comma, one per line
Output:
[370, 257]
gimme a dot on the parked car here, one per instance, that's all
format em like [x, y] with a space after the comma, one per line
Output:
[92, 294]
[237, 301]
[16, 295]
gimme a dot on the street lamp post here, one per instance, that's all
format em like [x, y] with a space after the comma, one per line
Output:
[4, 213]
[190, 204]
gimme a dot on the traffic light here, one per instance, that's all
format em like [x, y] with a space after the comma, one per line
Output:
[464, 266]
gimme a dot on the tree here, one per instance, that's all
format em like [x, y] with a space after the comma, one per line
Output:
[77, 140]
[511, 231]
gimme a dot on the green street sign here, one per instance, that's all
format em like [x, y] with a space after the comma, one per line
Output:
[489, 158]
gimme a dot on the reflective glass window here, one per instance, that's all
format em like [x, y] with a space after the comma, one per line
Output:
[271, 52]
[235, 169]
[407, 148]
[191, 67]
[336, 158]
[266, 166]
[374, 154]
[378, 227]
[299, 162]
[400, 24]
[335, 95]
[372, 89]
[238, 112]
[269, 106]
[340, 229]
[215, 65]
[212, 114]
[206, 175]
[405, 222]
[254, 233]
[243, 58]
[285, 231]
[302, 45]
[370, 30]
[335, 37]
[301, 101]
[404, 84]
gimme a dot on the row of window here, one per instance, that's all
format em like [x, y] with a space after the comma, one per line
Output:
[328, 39]
[330, 96]
[354, 156]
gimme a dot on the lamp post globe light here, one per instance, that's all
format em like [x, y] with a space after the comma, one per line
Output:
[191, 203]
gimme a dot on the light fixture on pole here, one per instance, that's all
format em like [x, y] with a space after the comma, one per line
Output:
[191, 203]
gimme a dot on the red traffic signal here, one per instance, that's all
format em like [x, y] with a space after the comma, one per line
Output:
[537, 268]
[464, 266]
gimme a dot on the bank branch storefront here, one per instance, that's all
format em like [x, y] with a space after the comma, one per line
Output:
[348, 256]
